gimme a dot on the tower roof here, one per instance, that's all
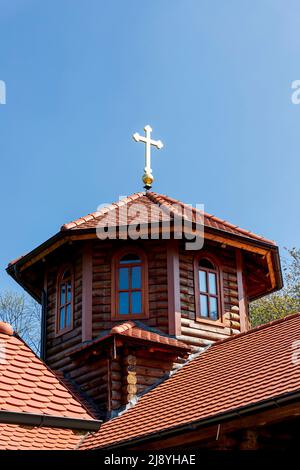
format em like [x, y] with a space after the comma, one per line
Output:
[157, 203]
[149, 209]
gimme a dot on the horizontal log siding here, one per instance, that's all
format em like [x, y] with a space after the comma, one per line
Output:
[58, 347]
[195, 332]
[157, 279]
[92, 377]
[101, 381]
[133, 371]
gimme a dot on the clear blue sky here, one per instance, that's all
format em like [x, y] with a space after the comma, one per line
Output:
[213, 78]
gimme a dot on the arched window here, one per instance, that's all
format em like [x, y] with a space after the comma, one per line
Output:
[130, 289]
[65, 288]
[208, 293]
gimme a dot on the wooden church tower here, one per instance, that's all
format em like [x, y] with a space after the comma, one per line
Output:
[124, 302]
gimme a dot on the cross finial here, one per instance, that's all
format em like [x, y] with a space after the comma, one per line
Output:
[147, 176]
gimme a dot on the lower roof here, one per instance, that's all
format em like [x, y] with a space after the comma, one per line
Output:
[238, 372]
[137, 332]
[30, 392]
[17, 437]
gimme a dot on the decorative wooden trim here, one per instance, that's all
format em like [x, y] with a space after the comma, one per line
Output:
[241, 291]
[207, 255]
[87, 291]
[114, 284]
[59, 332]
[174, 305]
[144, 230]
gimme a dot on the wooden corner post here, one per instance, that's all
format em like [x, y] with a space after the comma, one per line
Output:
[174, 308]
[243, 309]
[87, 291]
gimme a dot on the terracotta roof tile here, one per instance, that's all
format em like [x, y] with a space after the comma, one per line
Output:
[27, 385]
[138, 330]
[157, 204]
[239, 371]
[16, 437]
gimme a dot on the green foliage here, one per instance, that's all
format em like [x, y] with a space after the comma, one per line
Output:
[284, 302]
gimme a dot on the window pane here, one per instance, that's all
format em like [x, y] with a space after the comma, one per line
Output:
[123, 303]
[123, 278]
[62, 294]
[136, 277]
[203, 306]
[130, 258]
[68, 322]
[69, 294]
[136, 302]
[212, 283]
[213, 308]
[62, 318]
[202, 281]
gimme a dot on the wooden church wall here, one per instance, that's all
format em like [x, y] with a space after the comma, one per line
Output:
[59, 347]
[200, 333]
[92, 376]
[104, 379]
[134, 370]
[102, 289]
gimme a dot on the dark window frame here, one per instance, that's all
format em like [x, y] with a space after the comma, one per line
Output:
[219, 285]
[59, 306]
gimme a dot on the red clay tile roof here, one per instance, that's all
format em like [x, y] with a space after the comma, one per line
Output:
[237, 372]
[138, 331]
[16, 437]
[119, 214]
[152, 206]
[27, 385]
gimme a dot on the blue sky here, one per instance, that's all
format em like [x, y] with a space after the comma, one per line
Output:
[213, 79]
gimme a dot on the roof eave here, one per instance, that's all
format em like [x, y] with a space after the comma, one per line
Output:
[133, 339]
[216, 419]
[14, 267]
[39, 420]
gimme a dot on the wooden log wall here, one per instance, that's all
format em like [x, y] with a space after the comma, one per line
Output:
[157, 278]
[59, 347]
[93, 378]
[112, 381]
[195, 332]
[103, 382]
[134, 370]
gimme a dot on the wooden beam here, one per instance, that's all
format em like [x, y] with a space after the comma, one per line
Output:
[87, 291]
[43, 253]
[271, 270]
[174, 307]
[44, 317]
[145, 230]
[243, 308]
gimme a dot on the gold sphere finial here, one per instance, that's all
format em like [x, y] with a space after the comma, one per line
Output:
[147, 180]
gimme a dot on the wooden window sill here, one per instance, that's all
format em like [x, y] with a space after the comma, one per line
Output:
[129, 317]
[62, 332]
[208, 321]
